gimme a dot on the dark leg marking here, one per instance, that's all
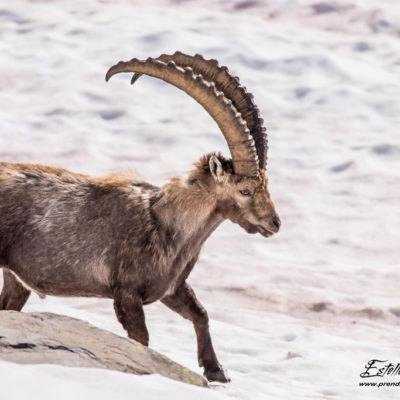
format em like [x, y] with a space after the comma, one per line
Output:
[128, 307]
[185, 303]
[13, 295]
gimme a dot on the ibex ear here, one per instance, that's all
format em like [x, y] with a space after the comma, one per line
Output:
[216, 169]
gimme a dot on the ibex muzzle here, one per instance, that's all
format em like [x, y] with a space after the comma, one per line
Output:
[66, 234]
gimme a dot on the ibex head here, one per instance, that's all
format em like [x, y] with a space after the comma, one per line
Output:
[244, 200]
[240, 184]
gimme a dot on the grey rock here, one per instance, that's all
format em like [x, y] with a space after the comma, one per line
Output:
[37, 338]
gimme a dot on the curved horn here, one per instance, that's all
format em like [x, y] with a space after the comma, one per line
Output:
[230, 85]
[233, 127]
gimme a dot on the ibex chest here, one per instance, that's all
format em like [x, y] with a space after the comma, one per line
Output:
[169, 276]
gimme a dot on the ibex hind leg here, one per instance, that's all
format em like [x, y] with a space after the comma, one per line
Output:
[13, 295]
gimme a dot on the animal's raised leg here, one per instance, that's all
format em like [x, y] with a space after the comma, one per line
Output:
[13, 295]
[185, 303]
[129, 309]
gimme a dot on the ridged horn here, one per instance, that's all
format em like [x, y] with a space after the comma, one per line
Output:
[241, 99]
[228, 119]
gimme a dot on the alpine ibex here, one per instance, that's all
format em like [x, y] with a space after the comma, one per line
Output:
[67, 234]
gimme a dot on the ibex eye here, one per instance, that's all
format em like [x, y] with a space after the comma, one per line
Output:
[245, 192]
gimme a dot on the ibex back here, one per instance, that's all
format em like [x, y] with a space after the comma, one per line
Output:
[67, 234]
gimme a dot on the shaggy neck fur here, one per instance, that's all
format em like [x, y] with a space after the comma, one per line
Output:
[188, 207]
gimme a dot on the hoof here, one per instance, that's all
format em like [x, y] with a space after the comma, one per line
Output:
[218, 375]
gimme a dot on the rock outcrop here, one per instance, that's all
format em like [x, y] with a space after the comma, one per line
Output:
[37, 338]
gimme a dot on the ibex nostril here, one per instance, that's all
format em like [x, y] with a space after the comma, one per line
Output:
[277, 222]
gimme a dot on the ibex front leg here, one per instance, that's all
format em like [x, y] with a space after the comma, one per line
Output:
[185, 303]
[129, 309]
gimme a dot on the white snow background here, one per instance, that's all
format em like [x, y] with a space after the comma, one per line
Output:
[296, 316]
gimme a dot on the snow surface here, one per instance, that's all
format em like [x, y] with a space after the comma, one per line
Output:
[294, 316]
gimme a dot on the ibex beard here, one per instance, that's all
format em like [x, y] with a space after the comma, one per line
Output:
[67, 234]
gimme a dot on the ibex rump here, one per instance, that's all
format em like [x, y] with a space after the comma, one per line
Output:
[66, 234]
